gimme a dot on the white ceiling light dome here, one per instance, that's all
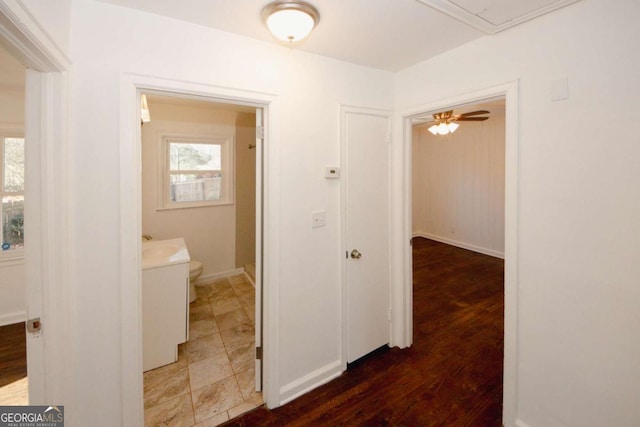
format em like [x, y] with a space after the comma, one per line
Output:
[290, 21]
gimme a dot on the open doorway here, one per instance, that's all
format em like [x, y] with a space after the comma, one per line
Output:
[458, 183]
[13, 352]
[201, 182]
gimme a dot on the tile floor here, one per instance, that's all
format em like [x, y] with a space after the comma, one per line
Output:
[213, 379]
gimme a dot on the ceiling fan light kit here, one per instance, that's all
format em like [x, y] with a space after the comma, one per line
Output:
[445, 121]
[290, 21]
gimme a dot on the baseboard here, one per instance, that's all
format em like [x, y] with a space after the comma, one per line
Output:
[250, 279]
[11, 318]
[520, 423]
[212, 277]
[313, 380]
[459, 244]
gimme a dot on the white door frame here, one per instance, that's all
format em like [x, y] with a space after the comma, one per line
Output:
[47, 245]
[402, 298]
[131, 87]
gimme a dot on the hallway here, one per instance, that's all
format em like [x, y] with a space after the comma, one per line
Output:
[452, 375]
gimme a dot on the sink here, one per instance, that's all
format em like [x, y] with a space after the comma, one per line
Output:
[163, 251]
[160, 253]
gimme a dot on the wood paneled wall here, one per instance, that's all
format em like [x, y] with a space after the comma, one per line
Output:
[458, 186]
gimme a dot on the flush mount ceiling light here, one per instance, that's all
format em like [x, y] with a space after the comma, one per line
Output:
[290, 21]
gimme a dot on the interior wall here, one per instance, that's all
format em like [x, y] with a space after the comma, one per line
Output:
[304, 137]
[12, 103]
[209, 231]
[245, 189]
[578, 232]
[458, 185]
[55, 19]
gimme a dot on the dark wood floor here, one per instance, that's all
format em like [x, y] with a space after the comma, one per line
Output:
[13, 353]
[451, 376]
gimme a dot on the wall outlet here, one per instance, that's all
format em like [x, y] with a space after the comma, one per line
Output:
[332, 172]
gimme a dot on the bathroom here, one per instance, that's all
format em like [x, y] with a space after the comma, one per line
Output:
[199, 184]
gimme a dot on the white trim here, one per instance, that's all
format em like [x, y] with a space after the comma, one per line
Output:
[212, 277]
[28, 40]
[459, 244]
[315, 379]
[520, 423]
[14, 317]
[12, 257]
[131, 86]
[403, 307]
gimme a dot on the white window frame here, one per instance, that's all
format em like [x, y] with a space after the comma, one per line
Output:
[17, 253]
[226, 143]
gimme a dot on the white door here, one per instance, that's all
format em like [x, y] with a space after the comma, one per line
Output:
[365, 145]
[34, 216]
[259, 258]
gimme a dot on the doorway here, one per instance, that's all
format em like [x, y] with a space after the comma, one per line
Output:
[13, 355]
[201, 182]
[46, 264]
[508, 91]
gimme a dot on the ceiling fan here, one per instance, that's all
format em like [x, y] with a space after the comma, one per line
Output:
[445, 121]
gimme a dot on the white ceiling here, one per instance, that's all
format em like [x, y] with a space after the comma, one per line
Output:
[384, 34]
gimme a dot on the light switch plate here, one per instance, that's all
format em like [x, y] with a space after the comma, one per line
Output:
[318, 219]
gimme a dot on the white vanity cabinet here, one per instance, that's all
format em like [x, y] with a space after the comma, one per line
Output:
[165, 301]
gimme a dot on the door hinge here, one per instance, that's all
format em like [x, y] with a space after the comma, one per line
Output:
[34, 325]
[259, 353]
[259, 132]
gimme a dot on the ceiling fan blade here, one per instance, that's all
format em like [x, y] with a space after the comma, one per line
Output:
[474, 113]
[472, 119]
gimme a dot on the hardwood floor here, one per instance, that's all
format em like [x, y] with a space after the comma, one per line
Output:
[13, 365]
[451, 376]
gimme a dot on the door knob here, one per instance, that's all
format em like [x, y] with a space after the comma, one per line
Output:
[355, 254]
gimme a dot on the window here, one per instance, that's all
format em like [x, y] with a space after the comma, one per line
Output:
[197, 172]
[12, 193]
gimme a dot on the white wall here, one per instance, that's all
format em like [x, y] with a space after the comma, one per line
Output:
[579, 204]
[107, 41]
[55, 19]
[209, 232]
[458, 185]
[12, 275]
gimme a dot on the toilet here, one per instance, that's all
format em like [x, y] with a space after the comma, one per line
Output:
[195, 270]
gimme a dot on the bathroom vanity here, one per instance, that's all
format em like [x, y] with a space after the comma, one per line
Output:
[165, 301]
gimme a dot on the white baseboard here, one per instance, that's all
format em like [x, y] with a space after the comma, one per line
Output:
[315, 379]
[459, 244]
[11, 318]
[212, 277]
